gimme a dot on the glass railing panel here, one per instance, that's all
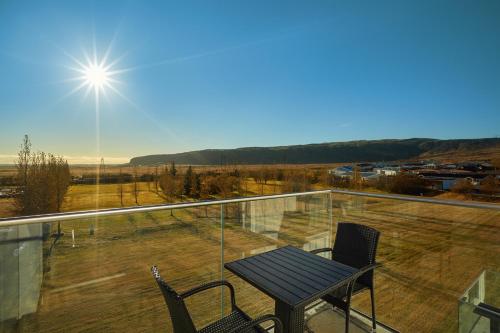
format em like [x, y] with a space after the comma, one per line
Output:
[21, 272]
[430, 254]
[479, 306]
[95, 274]
[258, 226]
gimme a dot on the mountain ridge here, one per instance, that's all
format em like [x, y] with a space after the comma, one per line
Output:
[327, 152]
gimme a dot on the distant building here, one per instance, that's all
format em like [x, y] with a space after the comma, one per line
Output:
[367, 176]
[343, 171]
[441, 183]
[430, 166]
[8, 193]
[448, 166]
[387, 171]
[365, 167]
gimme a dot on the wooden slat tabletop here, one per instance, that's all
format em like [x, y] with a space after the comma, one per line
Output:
[292, 275]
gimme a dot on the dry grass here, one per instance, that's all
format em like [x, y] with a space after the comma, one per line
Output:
[79, 170]
[81, 197]
[84, 197]
[7, 208]
[185, 246]
[430, 254]
[485, 154]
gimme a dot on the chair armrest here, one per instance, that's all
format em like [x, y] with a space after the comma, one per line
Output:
[278, 327]
[210, 285]
[367, 268]
[487, 311]
[325, 249]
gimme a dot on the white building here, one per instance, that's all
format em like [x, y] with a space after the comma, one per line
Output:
[387, 171]
[343, 171]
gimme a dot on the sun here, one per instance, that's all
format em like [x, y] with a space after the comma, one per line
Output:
[97, 76]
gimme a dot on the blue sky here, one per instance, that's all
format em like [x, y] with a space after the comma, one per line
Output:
[224, 74]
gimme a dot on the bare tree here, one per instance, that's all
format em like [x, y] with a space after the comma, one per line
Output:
[489, 186]
[296, 181]
[496, 163]
[196, 193]
[167, 184]
[120, 186]
[188, 182]
[136, 187]
[356, 177]
[43, 181]
[156, 179]
[59, 180]
[173, 170]
[22, 165]
[267, 175]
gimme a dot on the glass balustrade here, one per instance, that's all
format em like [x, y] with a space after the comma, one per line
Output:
[93, 273]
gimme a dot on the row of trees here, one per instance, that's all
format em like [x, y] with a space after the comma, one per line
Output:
[43, 181]
[197, 185]
[401, 183]
[227, 183]
[488, 186]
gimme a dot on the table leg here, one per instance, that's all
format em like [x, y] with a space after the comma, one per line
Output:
[292, 319]
[494, 325]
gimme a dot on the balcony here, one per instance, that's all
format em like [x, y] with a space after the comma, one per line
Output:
[89, 271]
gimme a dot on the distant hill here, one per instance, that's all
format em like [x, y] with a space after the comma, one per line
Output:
[333, 152]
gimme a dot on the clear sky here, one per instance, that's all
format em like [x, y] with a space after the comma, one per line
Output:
[224, 74]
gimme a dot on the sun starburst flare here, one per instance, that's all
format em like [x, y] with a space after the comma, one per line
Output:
[95, 75]
[98, 76]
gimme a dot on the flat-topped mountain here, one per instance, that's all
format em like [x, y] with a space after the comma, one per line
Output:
[333, 152]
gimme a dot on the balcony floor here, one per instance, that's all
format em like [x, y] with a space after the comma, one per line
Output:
[322, 318]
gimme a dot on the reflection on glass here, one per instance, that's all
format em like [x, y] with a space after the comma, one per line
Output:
[77, 275]
[479, 306]
[20, 270]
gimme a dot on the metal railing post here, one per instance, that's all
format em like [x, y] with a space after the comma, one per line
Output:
[330, 218]
[222, 259]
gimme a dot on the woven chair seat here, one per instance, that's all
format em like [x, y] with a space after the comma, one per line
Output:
[230, 322]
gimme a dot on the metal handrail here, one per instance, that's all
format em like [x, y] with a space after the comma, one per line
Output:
[420, 199]
[21, 220]
[12, 221]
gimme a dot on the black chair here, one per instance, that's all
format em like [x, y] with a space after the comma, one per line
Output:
[236, 322]
[356, 246]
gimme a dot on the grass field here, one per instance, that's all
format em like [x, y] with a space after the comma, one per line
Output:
[79, 170]
[430, 254]
[186, 246]
[84, 197]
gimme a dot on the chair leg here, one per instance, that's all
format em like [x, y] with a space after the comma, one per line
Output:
[347, 318]
[348, 306]
[374, 320]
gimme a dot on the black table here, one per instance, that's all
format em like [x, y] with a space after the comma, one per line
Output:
[293, 278]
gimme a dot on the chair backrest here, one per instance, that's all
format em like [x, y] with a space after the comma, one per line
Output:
[356, 246]
[181, 320]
